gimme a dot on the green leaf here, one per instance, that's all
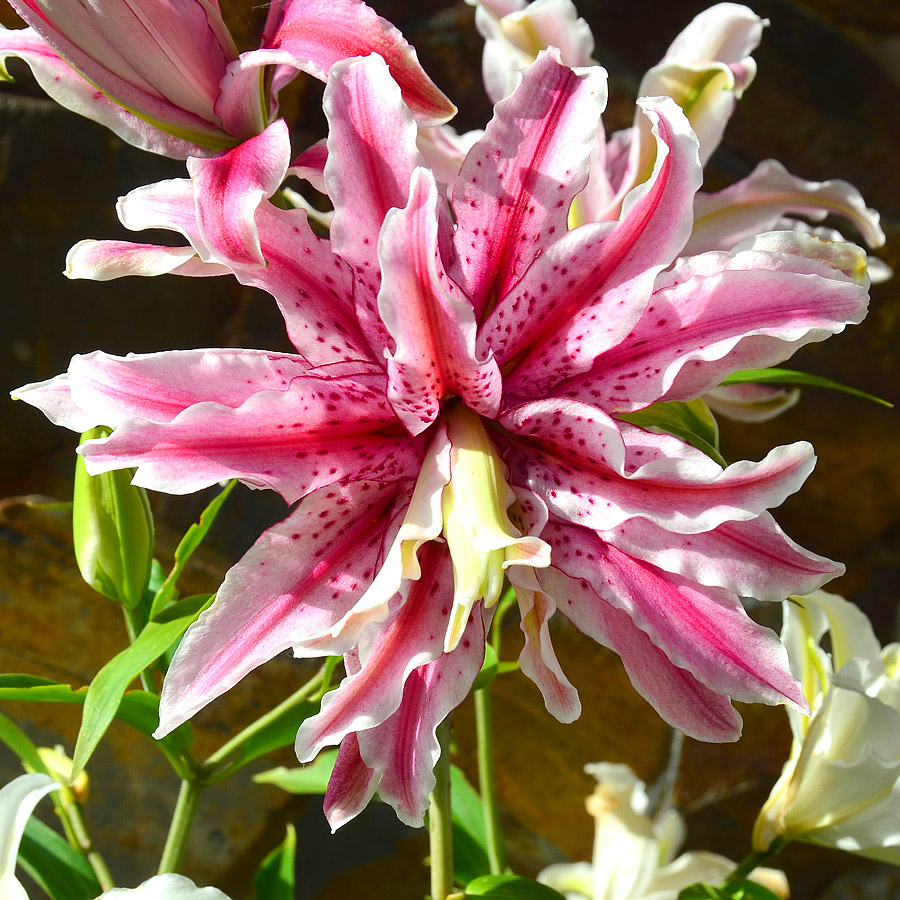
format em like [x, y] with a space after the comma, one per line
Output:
[21, 745]
[510, 887]
[108, 687]
[489, 669]
[691, 421]
[61, 871]
[791, 376]
[731, 890]
[470, 856]
[308, 779]
[185, 550]
[274, 878]
[139, 709]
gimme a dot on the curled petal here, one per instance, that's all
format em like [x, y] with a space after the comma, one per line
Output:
[575, 459]
[515, 33]
[312, 35]
[676, 694]
[758, 202]
[515, 186]
[291, 587]
[587, 289]
[69, 89]
[404, 747]
[412, 637]
[107, 260]
[701, 629]
[713, 314]
[432, 325]
[229, 188]
[538, 660]
[351, 786]
[750, 559]
[371, 157]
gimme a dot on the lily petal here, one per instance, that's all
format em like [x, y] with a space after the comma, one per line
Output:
[758, 202]
[678, 697]
[574, 459]
[432, 326]
[69, 89]
[702, 629]
[515, 186]
[313, 35]
[291, 587]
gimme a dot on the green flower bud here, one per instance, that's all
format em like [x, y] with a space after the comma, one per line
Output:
[113, 530]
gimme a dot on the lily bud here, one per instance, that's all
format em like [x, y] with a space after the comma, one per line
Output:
[113, 530]
[60, 768]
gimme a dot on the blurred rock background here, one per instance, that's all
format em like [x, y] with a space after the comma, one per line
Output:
[826, 103]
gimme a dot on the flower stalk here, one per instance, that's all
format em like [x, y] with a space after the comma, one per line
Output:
[182, 820]
[440, 822]
[485, 742]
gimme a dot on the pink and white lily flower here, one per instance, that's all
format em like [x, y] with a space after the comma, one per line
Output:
[167, 77]
[449, 420]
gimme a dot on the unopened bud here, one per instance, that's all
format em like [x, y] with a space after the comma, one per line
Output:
[113, 530]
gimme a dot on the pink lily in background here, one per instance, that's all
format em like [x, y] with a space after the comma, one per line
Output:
[166, 76]
[449, 421]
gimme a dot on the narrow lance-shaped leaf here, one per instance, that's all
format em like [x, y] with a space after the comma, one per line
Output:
[54, 866]
[274, 879]
[510, 887]
[775, 375]
[106, 690]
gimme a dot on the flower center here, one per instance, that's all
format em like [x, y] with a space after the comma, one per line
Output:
[482, 541]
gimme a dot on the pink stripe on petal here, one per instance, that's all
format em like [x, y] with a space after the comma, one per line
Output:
[749, 559]
[159, 386]
[351, 786]
[315, 433]
[315, 34]
[413, 636]
[715, 313]
[702, 629]
[295, 582]
[431, 324]
[682, 701]
[572, 457]
[589, 289]
[229, 188]
[512, 196]
[404, 746]
[371, 157]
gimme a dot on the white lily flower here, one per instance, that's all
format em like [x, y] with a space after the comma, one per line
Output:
[634, 854]
[841, 785]
[18, 800]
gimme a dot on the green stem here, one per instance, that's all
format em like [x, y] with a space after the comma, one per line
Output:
[231, 747]
[133, 625]
[77, 833]
[485, 743]
[182, 819]
[440, 821]
[757, 858]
